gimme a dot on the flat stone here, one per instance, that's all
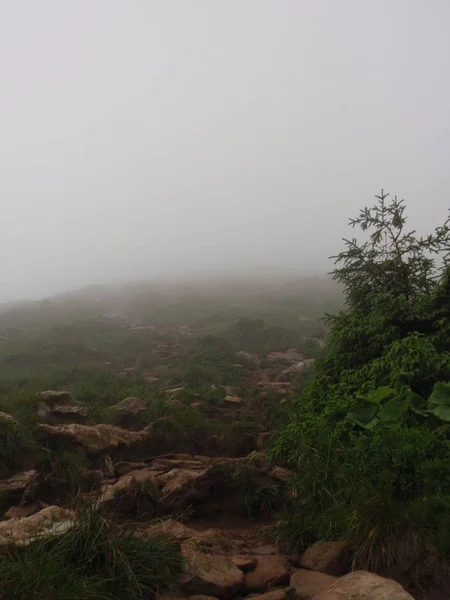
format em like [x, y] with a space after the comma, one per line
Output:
[307, 584]
[245, 563]
[362, 585]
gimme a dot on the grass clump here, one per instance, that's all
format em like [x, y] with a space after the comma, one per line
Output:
[140, 498]
[91, 561]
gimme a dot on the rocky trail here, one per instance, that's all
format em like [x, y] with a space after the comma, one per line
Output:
[219, 508]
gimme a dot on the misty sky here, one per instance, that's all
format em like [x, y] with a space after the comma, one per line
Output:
[149, 137]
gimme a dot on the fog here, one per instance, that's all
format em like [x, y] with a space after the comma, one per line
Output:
[144, 138]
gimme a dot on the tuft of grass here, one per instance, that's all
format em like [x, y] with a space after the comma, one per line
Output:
[141, 499]
[91, 561]
[66, 469]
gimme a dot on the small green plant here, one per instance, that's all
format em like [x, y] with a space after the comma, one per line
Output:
[92, 560]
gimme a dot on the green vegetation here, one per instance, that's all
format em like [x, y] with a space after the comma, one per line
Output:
[370, 432]
[93, 560]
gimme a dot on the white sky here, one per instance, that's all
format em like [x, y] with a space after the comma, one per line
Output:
[143, 137]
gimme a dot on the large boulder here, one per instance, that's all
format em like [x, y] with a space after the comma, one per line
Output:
[60, 407]
[271, 570]
[362, 585]
[128, 412]
[93, 439]
[308, 584]
[210, 575]
[52, 520]
[331, 557]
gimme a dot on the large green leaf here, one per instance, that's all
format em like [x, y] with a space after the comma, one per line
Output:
[442, 411]
[417, 403]
[365, 415]
[440, 394]
[391, 413]
[380, 394]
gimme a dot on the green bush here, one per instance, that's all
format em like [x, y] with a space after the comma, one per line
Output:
[370, 432]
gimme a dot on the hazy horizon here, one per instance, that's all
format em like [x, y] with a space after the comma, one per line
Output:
[148, 139]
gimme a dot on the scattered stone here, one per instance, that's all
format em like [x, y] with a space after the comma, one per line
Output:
[8, 421]
[289, 373]
[270, 571]
[18, 482]
[232, 399]
[130, 406]
[124, 467]
[281, 473]
[265, 550]
[60, 407]
[275, 595]
[245, 563]
[362, 585]
[210, 575]
[52, 520]
[172, 528]
[307, 584]
[19, 512]
[93, 439]
[183, 488]
[141, 475]
[331, 558]
[128, 412]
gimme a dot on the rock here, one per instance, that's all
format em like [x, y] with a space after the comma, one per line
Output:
[18, 482]
[129, 406]
[128, 412]
[151, 379]
[232, 399]
[263, 441]
[53, 398]
[182, 488]
[307, 584]
[52, 520]
[202, 597]
[126, 481]
[265, 550]
[290, 355]
[362, 585]
[270, 571]
[172, 528]
[7, 421]
[124, 467]
[210, 575]
[275, 595]
[331, 558]
[60, 407]
[19, 512]
[289, 373]
[244, 563]
[281, 473]
[93, 439]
